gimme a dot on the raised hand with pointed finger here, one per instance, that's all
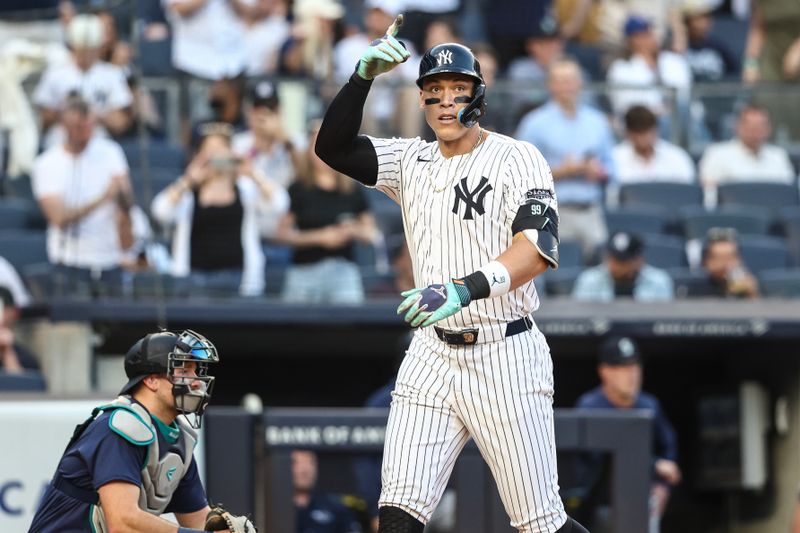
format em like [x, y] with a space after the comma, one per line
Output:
[383, 54]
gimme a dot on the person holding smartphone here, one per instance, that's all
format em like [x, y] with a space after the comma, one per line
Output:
[215, 209]
[727, 275]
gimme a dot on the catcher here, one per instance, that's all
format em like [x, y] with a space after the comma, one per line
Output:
[132, 459]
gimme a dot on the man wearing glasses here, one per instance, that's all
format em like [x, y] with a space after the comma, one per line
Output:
[132, 460]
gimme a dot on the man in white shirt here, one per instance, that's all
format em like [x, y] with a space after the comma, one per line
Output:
[748, 157]
[83, 189]
[208, 37]
[643, 156]
[647, 67]
[101, 84]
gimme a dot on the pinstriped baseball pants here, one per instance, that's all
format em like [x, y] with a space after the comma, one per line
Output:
[501, 395]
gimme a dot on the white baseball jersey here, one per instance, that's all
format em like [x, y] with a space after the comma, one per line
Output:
[458, 214]
[458, 211]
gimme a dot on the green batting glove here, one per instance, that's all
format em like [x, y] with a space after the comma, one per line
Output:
[383, 54]
[424, 307]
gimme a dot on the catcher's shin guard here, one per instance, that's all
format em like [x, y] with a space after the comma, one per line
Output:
[395, 520]
[571, 526]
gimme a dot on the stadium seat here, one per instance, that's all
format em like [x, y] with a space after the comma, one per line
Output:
[15, 213]
[27, 381]
[790, 223]
[685, 280]
[638, 220]
[23, 247]
[763, 253]
[664, 251]
[780, 282]
[752, 193]
[155, 57]
[667, 195]
[560, 282]
[160, 155]
[274, 279]
[159, 179]
[747, 221]
[570, 254]
[19, 187]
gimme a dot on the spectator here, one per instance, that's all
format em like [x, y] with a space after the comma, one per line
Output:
[421, 14]
[620, 371]
[710, 58]
[266, 29]
[441, 30]
[14, 357]
[328, 214]
[225, 101]
[266, 142]
[316, 511]
[647, 67]
[101, 84]
[216, 209]
[645, 157]
[509, 24]
[748, 157]
[208, 38]
[624, 274]
[726, 276]
[542, 47]
[576, 140]
[309, 50]
[83, 189]
[773, 42]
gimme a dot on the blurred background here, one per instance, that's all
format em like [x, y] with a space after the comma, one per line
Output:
[157, 170]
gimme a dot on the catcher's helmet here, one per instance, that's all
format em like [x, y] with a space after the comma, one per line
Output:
[162, 353]
[457, 59]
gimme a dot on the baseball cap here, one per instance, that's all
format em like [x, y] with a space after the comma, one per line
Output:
[390, 7]
[619, 351]
[264, 94]
[546, 28]
[85, 31]
[149, 355]
[623, 246]
[636, 24]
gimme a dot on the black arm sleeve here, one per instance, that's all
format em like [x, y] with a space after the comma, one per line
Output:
[338, 141]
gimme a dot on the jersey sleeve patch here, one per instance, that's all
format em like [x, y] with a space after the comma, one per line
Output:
[131, 427]
[539, 194]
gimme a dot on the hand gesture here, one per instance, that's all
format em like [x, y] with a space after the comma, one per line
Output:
[197, 171]
[383, 54]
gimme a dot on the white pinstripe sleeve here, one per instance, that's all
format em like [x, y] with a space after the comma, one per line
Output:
[390, 154]
[528, 176]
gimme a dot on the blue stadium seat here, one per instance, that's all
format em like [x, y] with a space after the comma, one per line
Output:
[155, 57]
[560, 282]
[747, 221]
[790, 223]
[664, 251]
[19, 187]
[27, 381]
[780, 282]
[159, 179]
[160, 155]
[686, 280]
[755, 193]
[670, 196]
[638, 220]
[23, 247]
[15, 213]
[762, 253]
[570, 254]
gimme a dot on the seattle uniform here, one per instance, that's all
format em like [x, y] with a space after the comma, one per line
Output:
[100, 456]
[485, 372]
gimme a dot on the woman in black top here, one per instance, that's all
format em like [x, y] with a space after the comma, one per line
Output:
[327, 215]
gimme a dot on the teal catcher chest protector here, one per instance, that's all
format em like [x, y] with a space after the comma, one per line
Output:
[160, 474]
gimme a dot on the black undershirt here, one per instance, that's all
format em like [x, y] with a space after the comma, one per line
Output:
[216, 240]
[338, 141]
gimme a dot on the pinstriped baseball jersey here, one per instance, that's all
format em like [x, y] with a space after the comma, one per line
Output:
[457, 212]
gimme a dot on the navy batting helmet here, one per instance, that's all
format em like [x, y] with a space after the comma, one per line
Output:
[456, 59]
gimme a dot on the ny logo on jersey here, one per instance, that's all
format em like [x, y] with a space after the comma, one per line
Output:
[445, 57]
[473, 199]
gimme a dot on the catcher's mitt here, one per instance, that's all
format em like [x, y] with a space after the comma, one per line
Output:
[219, 519]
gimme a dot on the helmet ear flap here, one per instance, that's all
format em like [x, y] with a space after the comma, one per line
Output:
[470, 115]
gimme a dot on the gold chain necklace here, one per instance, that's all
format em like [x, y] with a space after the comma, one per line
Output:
[458, 168]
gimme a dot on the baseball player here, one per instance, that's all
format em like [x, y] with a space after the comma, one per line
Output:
[479, 210]
[132, 459]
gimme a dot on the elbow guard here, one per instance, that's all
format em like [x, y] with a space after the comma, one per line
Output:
[538, 221]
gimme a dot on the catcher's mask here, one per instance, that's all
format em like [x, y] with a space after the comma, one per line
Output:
[456, 58]
[163, 353]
